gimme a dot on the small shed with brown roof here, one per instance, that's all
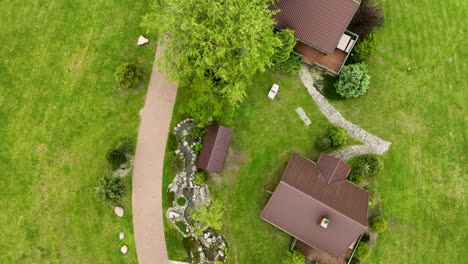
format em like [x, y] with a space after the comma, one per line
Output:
[308, 193]
[215, 149]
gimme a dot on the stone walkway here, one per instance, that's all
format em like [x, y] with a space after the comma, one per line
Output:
[148, 168]
[372, 144]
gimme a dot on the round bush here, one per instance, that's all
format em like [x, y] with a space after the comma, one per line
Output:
[362, 251]
[181, 201]
[378, 224]
[110, 189]
[199, 178]
[371, 201]
[353, 81]
[322, 143]
[355, 261]
[128, 75]
[293, 257]
[369, 165]
[338, 136]
[356, 179]
[116, 157]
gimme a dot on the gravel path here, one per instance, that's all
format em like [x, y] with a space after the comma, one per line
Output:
[372, 143]
[148, 167]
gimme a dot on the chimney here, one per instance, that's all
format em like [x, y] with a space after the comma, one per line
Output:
[323, 222]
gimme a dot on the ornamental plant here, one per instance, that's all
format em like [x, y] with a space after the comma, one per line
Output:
[353, 81]
[110, 189]
[288, 41]
[362, 251]
[378, 224]
[369, 165]
[356, 179]
[338, 136]
[293, 257]
[128, 75]
[199, 178]
[322, 143]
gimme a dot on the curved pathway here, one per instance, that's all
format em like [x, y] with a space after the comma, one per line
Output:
[372, 144]
[148, 167]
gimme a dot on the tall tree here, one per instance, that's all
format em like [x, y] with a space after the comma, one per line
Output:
[219, 44]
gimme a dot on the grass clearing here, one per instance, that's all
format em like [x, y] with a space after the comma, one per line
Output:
[60, 114]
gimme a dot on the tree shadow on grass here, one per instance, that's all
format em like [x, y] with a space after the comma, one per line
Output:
[329, 89]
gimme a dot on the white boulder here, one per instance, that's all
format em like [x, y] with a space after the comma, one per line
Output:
[124, 249]
[119, 211]
[172, 215]
[142, 41]
[121, 235]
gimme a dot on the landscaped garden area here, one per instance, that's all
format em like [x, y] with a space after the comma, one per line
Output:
[415, 100]
[61, 111]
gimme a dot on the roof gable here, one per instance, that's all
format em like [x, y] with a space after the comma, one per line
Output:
[333, 169]
[215, 148]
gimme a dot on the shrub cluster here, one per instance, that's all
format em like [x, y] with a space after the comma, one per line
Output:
[293, 257]
[288, 41]
[362, 251]
[322, 143]
[116, 157]
[200, 178]
[371, 201]
[181, 225]
[290, 66]
[338, 136]
[128, 75]
[368, 18]
[363, 49]
[355, 178]
[110, 189]
[353, 81]
[170, 197]
[197, 132]
[369, 165]
[354, 261]
[378, 224]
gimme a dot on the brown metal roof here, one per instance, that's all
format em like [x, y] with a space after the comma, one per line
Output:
[319, 23]
[215, 149]
[303, 197]
[332, 168]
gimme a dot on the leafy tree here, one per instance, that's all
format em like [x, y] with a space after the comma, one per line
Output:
[128, 75]
[378, 224]
[219, 45]
[293, 257]
[353, 81]
[338, 136]
[367, 19]
[362, 251]
[209, 215]
[110, 189]
[363, 49]
[288, 41]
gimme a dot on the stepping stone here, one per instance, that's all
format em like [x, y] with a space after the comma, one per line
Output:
[142, 41]
[119, 211]
[124, 249]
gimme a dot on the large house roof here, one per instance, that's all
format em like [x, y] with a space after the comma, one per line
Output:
[304, 197]
[319, 23]
[215, 148]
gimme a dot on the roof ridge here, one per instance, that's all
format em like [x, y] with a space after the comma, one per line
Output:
[210, 160]
[319, 201]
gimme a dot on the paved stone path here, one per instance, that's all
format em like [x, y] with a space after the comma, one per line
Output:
[372, 144]
[148, 168]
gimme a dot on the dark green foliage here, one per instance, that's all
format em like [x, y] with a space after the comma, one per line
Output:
[322, 143]
[110, 189]
[181, 201]
[290, 66]
[371, 201]
[353, 81]
[198, 147]
[288, 41]
[363, 49]
[200, 178]
[181, 225]
[362, 251]
[293, 257]
[197, 132]
[116, 157]
[127, 146]
[355, 261]
[172, 142]
[369, 165]
[378, 224]
[170, 196]
[191, 246]
[128, 75]
[356, 179]
[338, 136]
[368, 18]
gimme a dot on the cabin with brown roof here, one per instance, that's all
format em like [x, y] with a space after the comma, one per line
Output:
[315, 204]
[320, 26]
[215, 149]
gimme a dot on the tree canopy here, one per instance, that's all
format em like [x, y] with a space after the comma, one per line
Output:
[219, 45]
[353, 81]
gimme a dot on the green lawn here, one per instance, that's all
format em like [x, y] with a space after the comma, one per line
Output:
[423, 112]
[60, 113]
[416, 101]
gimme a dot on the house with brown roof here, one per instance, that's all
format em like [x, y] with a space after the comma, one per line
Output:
[215, 149]
[316, 205]
[320, 26]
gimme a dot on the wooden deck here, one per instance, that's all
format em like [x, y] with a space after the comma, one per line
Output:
[310, 55]
[320, 257]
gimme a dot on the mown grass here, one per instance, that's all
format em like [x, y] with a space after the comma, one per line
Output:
[60, 113]
[417, 100]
